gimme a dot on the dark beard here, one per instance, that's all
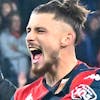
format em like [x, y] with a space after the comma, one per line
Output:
[43, 70]
[47, 67]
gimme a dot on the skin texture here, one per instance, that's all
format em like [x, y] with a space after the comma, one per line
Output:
[56, 40]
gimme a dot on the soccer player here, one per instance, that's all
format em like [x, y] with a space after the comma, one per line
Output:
[52, 33]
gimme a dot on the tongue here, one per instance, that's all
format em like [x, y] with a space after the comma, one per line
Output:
[36, 58]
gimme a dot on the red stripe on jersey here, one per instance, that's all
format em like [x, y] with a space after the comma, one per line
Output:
[36, 89]
[80, 79]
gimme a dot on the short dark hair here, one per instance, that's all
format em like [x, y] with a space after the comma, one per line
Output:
[68, 11]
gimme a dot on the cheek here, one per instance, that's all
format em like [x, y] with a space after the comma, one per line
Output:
[52, 43]
[52, 48]
[49, 42]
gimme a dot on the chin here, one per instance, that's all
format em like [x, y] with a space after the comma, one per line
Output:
[41, 70]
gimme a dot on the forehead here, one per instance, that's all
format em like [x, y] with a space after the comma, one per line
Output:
[6, 5]
[41, 19]
[47, 20]
[42, 15]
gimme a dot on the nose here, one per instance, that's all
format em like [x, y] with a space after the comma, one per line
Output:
[31, 36]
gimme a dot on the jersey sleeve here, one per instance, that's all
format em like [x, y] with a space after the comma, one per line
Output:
[86, 86]
[96, 84]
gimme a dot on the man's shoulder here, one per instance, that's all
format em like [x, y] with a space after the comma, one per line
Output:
[24, 91]
[86, 85]
[32, 85]
[90, 76]
[83, 68]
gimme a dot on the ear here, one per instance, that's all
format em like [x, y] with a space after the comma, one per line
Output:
[67, 40]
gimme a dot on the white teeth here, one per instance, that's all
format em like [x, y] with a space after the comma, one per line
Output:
[32, 49]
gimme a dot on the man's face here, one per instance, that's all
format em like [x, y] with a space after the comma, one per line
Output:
[15, 23]
[6, 9]
[44, 41]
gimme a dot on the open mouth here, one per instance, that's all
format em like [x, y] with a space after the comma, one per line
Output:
[36, 54]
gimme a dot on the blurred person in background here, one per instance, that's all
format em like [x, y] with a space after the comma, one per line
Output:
[5, 65]
[13, 47]
[6, 7]
[93, 31]
[86, 49]
[92, 25]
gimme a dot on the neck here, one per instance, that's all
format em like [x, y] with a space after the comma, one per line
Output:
[67, 61]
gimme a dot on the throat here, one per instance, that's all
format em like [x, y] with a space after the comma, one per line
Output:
[51, 79]
[58, 73]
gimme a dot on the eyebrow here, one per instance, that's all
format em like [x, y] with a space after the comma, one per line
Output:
[36, 28]
[40, 28]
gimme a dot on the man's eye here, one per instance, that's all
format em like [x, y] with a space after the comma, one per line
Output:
[28, 30]
[41, 30]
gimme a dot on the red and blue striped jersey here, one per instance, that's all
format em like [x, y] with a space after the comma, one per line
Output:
[83, 84]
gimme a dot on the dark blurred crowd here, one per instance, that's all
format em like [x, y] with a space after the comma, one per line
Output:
[88, 49]
[14, 56]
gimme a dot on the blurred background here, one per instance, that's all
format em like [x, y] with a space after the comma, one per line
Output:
[14, 58]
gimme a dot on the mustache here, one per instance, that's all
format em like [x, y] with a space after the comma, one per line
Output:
[32, 45]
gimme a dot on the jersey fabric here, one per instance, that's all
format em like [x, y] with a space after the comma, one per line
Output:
[83, 84]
